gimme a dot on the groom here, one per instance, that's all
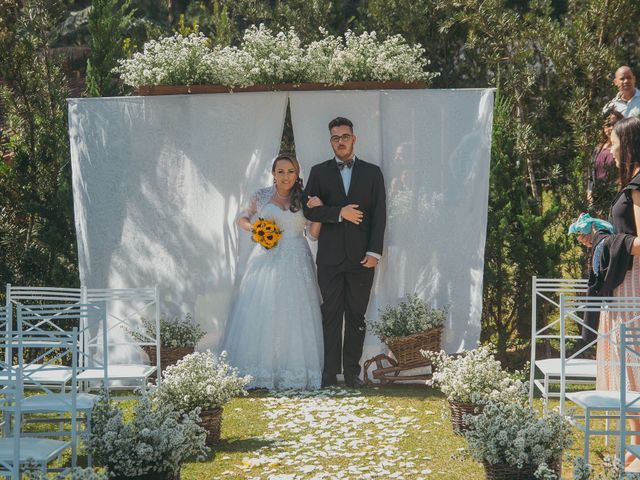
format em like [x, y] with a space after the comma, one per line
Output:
[353, 217]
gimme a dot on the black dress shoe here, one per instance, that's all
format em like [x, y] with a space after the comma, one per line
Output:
[328, 380]
[353, 381]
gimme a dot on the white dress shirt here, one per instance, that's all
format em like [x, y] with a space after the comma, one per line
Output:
[629, 108]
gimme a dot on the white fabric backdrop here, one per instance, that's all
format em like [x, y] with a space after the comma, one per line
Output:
[158, 182]
[434, 148]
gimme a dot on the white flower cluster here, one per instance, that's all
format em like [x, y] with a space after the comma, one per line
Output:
[475, 377]
[157, 439]
[175, 60]
[33, 471]
[407, 318]
[175, 332]
[612, 466]
[265, 57]
[200, 380]
[513, 434]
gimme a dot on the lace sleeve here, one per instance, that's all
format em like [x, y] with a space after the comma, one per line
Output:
[258, 200]
[250, 209]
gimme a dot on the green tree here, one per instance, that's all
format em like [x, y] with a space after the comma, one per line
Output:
[108, 21]
[37, 238]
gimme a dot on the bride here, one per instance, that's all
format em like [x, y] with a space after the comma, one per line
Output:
[275, 329]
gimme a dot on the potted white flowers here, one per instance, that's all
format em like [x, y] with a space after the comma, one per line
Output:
[186, 64]
[512, 442]
[408, 328]
[471, 380]
[202, 380]
[151, 446]
[178, 337]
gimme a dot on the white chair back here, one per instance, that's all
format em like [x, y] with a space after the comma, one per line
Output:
[572, 306]
[629, 359]
[546, 292]
[53, 348]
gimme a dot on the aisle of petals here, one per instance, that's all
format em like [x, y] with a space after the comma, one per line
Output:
[336, 434]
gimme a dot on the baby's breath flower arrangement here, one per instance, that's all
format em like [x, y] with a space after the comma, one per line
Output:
[513, 435]
[613, 469]
[475, 377]
[201, 380]
[174, 332]
[267, 57]
[158, 439]
[277, 58]
[407, 318]
[175, 60]
[33, 471]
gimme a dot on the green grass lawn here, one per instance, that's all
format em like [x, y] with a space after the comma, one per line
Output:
[398, 432]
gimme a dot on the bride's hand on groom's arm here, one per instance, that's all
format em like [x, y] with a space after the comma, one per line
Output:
[314, 202]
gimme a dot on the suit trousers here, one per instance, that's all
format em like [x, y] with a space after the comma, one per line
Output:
[345, 290]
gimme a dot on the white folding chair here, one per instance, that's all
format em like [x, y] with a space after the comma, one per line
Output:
[578, 371]
[31, 296]
[124, 307]
[18, 447]
[629, 400]
[40, 321]
[594, 401]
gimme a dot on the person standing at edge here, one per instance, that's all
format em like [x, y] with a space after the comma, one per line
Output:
[627, 100]
[353, 217]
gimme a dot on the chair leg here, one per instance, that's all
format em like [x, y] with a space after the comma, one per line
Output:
[88, 433]
[587, 434]
[545, 395]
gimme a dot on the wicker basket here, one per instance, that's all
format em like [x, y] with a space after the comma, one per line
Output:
[212, 421]
[407, 349]
[501, 471]
[168, 356]
[458, 411]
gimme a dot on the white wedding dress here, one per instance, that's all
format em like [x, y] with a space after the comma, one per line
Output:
[274, 332]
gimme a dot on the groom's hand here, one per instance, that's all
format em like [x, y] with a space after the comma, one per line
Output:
[351, 214]
[369, 262]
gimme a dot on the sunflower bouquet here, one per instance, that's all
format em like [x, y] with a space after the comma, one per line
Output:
[266, 233]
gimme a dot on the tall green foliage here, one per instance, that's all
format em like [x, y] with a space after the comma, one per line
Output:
[37, 240]
[108, 21]
[513, 218]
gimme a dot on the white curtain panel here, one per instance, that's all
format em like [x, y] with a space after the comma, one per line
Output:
[157, 184]
[434, 149]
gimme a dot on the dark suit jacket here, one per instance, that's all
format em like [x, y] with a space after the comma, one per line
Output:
[344, 240]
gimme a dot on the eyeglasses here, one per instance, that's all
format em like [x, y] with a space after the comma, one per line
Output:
[345, 138]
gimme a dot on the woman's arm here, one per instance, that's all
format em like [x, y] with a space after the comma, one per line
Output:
[314, 229]
[244, 223]
[244, 216]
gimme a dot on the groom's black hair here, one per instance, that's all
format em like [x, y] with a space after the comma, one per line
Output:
[339, 122]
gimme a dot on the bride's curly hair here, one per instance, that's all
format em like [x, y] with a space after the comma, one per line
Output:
[295, 195]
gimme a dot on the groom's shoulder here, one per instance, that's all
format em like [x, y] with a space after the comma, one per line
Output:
[368, 165]
[323, 165]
